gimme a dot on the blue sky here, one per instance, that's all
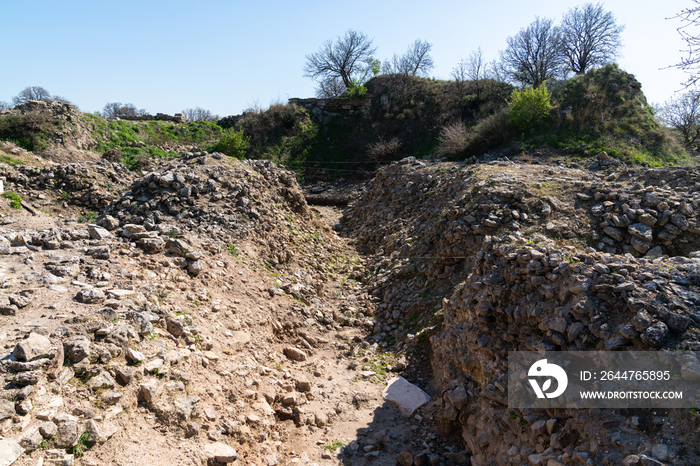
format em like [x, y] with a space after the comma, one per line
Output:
[225, 56]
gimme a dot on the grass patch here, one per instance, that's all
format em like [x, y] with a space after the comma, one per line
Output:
[15, 200]
[333, 446]
[88, 217]
[11, 161]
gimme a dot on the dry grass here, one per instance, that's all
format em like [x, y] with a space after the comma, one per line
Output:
[453, 139]
[383, 150]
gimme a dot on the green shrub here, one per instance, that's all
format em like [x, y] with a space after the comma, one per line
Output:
[356, 91]
[233, 143]
[529, 107]
[15, 200]
[490, 132]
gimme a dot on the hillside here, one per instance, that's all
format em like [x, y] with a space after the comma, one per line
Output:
[56, 131]
[164, 303]
[603, 110]
[400, 116]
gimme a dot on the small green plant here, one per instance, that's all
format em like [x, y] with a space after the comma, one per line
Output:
[65, 196]
[82, 445]
[231, 249]
[356, 91]
[197, 303]
[529, 107]
[15, 200]
[88, 217]
[333, 446]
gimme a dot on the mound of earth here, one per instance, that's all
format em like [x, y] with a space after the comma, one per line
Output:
[476, 261]
[204, 313]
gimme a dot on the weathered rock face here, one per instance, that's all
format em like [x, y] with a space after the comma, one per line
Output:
[488, 243]
[84, 183]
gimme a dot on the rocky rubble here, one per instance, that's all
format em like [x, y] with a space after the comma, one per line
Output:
[211, 328]
[92, 185]
[503, 257]
[209, 312]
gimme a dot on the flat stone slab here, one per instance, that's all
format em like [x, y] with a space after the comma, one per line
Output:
[9, 452]
[39, 322]
[220, 452]
[405, 395]
[120, 294]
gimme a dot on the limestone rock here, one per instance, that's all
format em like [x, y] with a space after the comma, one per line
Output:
[77, 348]
[31, 439]
[220, 452]
[99, 233]
[9, 452]
[35, 347]
[90, 296]
[642, 231]
[405, 395]
[69, 431]
[133, 356]
[7, 409]
[655, 335]
[101, 381]
[294, 353]
[195, 267]
[152, 245]
[48, 429]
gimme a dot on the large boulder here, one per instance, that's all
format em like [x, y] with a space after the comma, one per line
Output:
[35, 347]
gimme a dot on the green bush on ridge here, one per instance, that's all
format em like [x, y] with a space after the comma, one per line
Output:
[529, 108]
[233, 143]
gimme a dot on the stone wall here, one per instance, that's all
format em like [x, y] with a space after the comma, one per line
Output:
[41, 105]
[177, 118]
[335, 105]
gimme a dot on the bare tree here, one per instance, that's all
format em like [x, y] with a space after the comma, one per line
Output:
[533, 56]
[199, 114]
[590, 37]
[330, 87]
[345, 58]
[683, 114]
[415, 62]
[31, 93]
[496, 70]
[471, 69]
[460, 75]
[4, 105]
[119, 110]
[691, 64]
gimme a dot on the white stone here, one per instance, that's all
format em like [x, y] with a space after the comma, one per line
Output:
[120, 294]
[405, 395]
[221, 452]
[9, 452]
